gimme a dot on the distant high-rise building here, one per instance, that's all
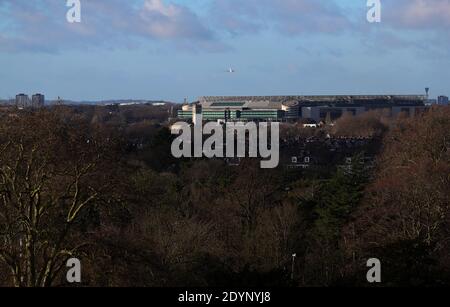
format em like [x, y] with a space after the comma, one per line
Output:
[38, 101]
[443, 100]
[22, 101]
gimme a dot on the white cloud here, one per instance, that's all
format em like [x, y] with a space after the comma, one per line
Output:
[290, 17]
[40, 25]
[419, 14]
[172, 21]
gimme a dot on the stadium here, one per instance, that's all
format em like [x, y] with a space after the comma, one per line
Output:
[294, 108]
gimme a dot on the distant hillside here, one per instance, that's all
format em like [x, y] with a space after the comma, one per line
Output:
[123, 102]
[100, 103]
[6, 101]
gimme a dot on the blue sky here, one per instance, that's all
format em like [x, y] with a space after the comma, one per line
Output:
[172, 49]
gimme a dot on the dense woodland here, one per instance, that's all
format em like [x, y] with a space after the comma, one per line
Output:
[101, 185]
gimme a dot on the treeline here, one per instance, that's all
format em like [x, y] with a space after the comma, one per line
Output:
[111, 195]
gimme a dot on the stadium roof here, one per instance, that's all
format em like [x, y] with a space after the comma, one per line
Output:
[261, 102]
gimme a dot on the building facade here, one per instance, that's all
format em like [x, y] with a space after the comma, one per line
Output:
[38, 101]
[442, 100]
[22, 101]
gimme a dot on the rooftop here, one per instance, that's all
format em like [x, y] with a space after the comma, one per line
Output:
[277, 101]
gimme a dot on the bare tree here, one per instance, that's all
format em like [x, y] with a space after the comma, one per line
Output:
[50, 170]
[409, 199]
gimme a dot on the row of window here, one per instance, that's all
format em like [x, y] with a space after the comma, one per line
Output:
[215, 115]
[306, 160]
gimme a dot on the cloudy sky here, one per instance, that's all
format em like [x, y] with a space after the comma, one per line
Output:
[171, 49]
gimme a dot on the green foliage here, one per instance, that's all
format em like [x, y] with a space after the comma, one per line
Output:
[157, 154]
[338, 198]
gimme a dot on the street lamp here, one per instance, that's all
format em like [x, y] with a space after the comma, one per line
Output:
[293, 265]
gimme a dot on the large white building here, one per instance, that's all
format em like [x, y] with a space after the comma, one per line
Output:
[286, 108]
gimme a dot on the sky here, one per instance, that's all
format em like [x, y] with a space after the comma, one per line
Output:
[176, 49]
